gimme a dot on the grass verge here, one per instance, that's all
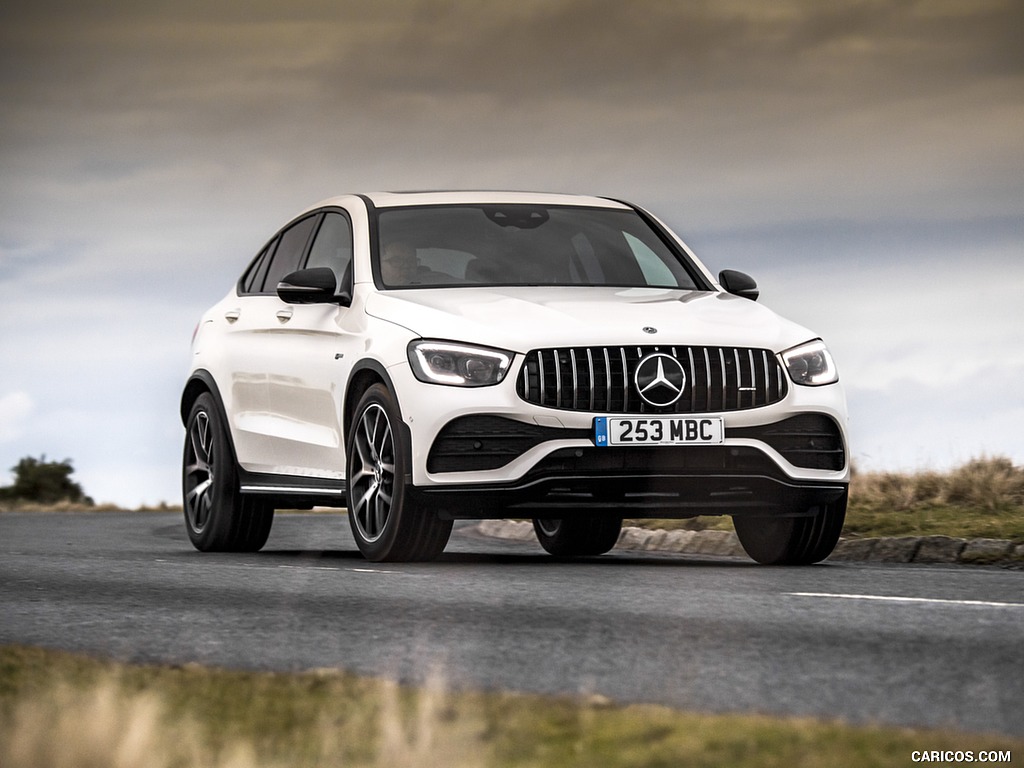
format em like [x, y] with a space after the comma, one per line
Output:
[59, 709]
[983, 498]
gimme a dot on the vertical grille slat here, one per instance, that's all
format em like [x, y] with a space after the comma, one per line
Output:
[691, 383]
[540, 379]
[724, 383]
[608, 380]
[625, 381]
[558, 381]
[590, 372]
[601, 379]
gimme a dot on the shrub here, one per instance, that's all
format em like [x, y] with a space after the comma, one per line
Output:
[44, 482]
[990, 483]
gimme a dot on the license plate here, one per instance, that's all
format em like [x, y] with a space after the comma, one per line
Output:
[658, 430]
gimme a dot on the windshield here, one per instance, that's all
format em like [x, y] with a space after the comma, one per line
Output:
[506, 245]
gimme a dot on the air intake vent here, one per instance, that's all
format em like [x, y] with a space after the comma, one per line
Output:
[603, 379]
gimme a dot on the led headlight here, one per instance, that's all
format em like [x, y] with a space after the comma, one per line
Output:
[811, 364]
[459, 365]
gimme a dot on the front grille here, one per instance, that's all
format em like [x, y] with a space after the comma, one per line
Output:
[602, 379]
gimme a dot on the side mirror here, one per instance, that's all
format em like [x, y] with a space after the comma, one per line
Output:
[310, 286]
[739, 283]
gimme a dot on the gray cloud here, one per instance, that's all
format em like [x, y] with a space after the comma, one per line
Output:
[725, 103]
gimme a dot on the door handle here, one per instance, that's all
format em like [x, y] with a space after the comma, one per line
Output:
[284, 315]
[232, 314]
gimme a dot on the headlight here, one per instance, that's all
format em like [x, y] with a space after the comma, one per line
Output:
[459, 365]
[811, 364]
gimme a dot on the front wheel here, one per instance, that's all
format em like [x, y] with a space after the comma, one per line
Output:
[793, 540]
[387, 521]
[217, 517]
[577, 536]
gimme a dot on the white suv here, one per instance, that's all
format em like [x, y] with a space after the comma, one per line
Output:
[427, 357]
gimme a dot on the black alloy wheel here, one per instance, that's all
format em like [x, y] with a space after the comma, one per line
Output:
[388, 522]
[217, 517]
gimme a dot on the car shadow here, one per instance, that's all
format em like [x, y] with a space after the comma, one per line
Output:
[524, 559]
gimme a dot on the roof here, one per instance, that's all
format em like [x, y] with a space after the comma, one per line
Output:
[486, 197]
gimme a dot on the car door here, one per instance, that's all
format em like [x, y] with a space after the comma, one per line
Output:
[310, 363]
[239, 364]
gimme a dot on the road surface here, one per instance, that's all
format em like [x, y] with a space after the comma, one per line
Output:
[916, 645]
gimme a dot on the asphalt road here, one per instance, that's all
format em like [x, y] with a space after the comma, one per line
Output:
[699, 633]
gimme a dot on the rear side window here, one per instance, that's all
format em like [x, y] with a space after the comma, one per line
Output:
[291, 246]
[253, 278]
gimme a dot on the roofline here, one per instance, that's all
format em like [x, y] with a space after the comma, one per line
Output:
[465, 197]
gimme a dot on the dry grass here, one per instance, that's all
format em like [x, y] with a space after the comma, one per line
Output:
[991, 484]
[983, 498]
[65, 507]
[63, 711]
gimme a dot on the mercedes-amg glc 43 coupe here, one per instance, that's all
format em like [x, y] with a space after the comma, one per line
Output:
[421, 358]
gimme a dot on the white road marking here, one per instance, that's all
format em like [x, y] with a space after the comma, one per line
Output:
[309, 567]
[333, 568]
[897, 599]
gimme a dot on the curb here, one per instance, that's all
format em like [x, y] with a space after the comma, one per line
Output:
[903, 549]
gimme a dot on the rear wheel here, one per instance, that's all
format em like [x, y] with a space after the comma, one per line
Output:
[217, 517]
[577, 536]
[388, 523]
[793, 540]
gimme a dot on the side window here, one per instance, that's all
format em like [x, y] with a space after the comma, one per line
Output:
[333, 245]
[291, 246]
[253, 278]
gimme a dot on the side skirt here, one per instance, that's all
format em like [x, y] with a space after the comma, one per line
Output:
[293, 492]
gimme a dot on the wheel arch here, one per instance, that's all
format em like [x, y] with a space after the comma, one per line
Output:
[199, 382]
[202, 382]
[364, 375]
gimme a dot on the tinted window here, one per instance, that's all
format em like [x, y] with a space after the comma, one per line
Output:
[253, 278]
[525, 245]
[333, 245]
[290, 248]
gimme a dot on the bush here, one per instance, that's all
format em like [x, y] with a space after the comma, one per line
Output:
[986, 483]
[44, 482]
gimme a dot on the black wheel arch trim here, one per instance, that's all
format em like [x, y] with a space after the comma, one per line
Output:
[199, 382]
[377, 369]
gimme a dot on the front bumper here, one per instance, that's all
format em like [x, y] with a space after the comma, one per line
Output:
[641, 482]
[483, 452]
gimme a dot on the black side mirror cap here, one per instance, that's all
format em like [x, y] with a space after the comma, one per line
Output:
[318, 285]
[739, 284]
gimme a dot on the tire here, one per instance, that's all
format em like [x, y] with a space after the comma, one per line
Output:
[793, 540]
[217, 517]
[388, 522]
[577, 536]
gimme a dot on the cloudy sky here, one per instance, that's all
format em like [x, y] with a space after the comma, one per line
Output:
[863, 160]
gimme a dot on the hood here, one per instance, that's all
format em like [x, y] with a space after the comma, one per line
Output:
[523, 318]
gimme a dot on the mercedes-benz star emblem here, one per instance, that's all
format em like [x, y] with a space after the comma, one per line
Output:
[660, 379]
